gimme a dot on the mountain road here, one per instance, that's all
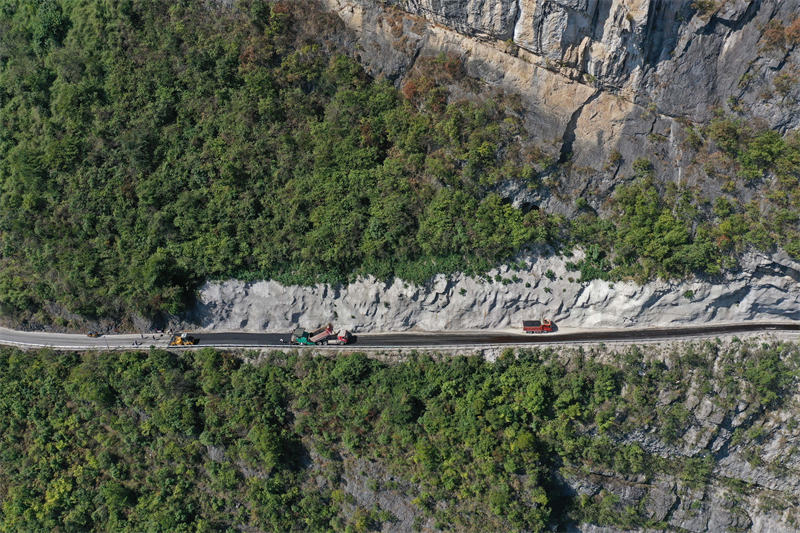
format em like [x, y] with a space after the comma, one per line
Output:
[411, 339]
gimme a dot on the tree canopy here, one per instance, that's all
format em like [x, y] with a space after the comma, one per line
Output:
[209, 441]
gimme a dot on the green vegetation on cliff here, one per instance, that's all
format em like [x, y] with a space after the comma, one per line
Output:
[148, 146]
[202, 441]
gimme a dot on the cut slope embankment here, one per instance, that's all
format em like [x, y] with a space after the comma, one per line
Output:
[766, 288]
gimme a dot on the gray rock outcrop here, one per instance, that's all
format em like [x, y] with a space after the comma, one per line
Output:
[750, 478]
[603, 82]
[686, 57]
[767, 288]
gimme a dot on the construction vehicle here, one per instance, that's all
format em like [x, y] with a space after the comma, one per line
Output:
[301, 336]
[341, 337]
[322, 335]
[537, 326]
[94, 334]
[183, 339]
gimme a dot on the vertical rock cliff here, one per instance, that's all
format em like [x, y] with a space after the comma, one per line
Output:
[603, 82]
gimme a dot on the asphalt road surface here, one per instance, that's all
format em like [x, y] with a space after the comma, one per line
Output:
[77, 341]
[413, 339]
[388, 340]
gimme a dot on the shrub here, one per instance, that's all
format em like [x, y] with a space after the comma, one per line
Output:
[784, 83]
[773, 36]
[761, 154]
[704, 7]
[643, 167]
[768, 376]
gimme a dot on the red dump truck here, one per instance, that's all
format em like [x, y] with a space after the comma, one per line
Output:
[323, 335]
[340, 337]
[537, 326]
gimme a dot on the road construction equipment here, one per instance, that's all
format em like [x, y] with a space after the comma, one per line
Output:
[341, 337]
[184, 339]
[322, 335]
[537, 326]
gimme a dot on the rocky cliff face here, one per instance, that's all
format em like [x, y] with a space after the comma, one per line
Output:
[603, 77]
[700, 49]
[739, 470]
[766, 289]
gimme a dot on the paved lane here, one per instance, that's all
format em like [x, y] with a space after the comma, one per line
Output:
[78, 341]
[388, 340]
[416, 339]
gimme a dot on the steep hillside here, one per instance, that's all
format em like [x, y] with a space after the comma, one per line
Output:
[686, 99]
[150, 147]
[695, 438]
[600, 77]
[606, 88]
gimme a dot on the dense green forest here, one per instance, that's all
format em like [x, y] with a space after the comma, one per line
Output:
[206, 441]
[148, 146]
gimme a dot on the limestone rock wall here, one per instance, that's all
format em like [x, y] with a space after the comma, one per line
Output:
[651, 50]
[767, 288]
[753, 483]
[599, 77]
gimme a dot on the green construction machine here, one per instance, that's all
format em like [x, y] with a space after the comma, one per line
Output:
[323, 335]
[318, 336]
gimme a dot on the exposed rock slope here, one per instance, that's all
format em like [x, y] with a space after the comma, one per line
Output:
[734, 463]
[601, 77]
[767, 288]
